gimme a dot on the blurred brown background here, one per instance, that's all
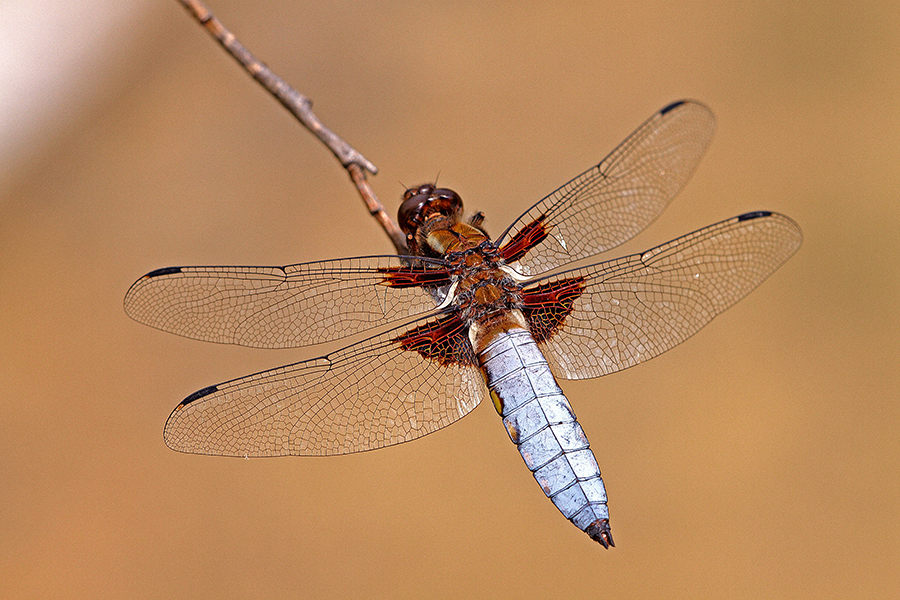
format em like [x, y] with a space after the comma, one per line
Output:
[757, 460]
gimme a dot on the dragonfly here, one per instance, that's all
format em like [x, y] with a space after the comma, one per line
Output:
[463, 316]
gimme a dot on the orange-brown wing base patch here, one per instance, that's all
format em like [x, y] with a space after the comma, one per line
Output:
[546, 306]
[527, 238]
[407, 277]
[444, 340]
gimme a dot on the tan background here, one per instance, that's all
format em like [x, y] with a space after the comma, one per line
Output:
[757, 460]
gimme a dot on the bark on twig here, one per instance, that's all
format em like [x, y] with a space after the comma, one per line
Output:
[301, 107]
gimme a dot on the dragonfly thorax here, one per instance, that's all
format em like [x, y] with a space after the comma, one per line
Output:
[484, 287]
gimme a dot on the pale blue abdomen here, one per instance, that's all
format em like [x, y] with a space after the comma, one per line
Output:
[541, 423]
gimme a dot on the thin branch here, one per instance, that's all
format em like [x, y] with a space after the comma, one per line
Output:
[301, 107]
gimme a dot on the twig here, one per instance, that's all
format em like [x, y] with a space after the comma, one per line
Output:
[301, 107]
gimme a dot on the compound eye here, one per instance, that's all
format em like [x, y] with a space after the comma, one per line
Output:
[449, 200]
[409, 216]
[419, 203]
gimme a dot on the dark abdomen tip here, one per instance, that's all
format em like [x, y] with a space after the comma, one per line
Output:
[600, 533]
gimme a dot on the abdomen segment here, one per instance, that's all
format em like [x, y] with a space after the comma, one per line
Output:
[541, 423]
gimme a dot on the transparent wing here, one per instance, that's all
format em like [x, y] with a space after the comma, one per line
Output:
[637, 307]
[280, 307]
[610, 203]
[372, 394]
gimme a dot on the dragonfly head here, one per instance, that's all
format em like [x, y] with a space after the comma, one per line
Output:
[427, 205]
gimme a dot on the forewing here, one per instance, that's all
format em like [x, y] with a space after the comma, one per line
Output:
[375, 393]
[610, 203]
[628, 310]
[284, 307]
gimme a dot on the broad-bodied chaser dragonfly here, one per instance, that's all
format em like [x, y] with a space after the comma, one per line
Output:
[464, 313]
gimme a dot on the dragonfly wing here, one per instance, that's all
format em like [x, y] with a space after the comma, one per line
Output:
[613, 201]
[285, 307]
[625, 311]
[388, 389]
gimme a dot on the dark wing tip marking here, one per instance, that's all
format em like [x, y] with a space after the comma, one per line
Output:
[198, 394]
[754, 215]
[163, 271]
[672, 106]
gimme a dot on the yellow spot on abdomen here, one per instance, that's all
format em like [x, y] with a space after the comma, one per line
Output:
[498, 402]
